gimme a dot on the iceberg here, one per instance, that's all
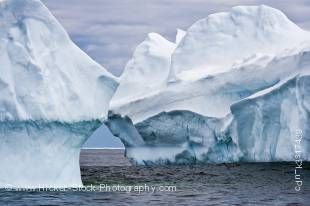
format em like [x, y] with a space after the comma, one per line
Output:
[53, 96]
[212, 45]
[263, 127]
[236, 91]
[147, 71]
[267, 124]
[180, 137]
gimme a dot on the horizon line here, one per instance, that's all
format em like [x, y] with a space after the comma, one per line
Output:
[98, 148]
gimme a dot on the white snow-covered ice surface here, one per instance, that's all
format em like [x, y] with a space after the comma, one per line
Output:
[53, 96]
[234, 87]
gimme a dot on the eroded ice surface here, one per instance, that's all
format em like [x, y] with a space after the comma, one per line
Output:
[261, 128]
[48, 88]
[42, 154]
[237, 91]
[212, 45]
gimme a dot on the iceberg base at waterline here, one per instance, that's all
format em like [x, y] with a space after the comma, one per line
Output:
[39, 154]
[268, 126]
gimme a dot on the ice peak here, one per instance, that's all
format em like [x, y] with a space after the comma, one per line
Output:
[156, 40]
[18, 12]
[155, 36]
[45, 75]
[214, 44]
[264, 16]
[180, 35]
[147, 70]
[26, 8]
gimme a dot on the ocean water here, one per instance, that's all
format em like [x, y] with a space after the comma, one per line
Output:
[111, 180]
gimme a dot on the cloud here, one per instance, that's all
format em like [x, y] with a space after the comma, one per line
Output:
[109, 30]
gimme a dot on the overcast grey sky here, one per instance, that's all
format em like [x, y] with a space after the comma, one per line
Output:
[109, 30]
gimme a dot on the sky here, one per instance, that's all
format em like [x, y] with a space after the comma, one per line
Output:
[110, 30]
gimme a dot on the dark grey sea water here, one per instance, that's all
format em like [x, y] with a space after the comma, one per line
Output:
[231, 184]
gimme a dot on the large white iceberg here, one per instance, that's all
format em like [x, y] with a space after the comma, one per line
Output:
[53, 96]
[236, 91]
